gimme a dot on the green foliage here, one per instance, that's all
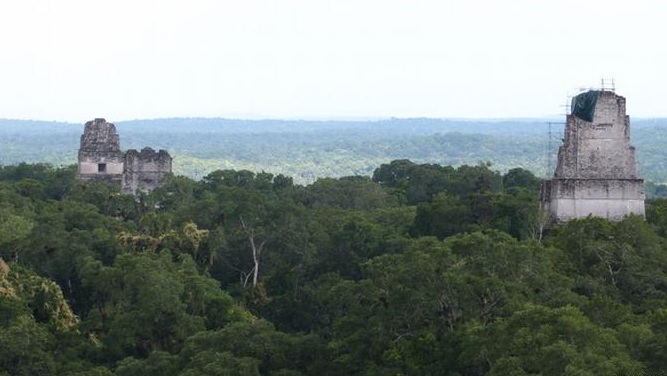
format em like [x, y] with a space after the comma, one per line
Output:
[625, 260]
[419, 183]
[421, 270]
[444, 216]
[33, 317]
[355, 193]
[158, 363]
[14, 228]
[26, 347]
[148, 302]
[518, 177]
[548, 341]
[656, 214]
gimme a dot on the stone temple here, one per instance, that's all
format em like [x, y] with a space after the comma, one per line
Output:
[101, 160]
[596, 172]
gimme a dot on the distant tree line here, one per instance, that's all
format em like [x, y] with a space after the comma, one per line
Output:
[309, 150]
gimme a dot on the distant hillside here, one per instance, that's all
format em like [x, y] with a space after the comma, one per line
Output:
[308, 150]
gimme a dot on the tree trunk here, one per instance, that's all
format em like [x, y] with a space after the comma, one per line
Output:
[256, 251]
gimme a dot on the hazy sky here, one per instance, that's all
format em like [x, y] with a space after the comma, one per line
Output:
[75, 60]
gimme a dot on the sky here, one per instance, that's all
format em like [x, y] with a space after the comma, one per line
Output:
[75, 60]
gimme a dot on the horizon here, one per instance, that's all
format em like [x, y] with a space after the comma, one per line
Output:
[553, 118]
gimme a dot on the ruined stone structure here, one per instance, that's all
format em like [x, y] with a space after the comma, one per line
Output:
[101, 159]
[145, 170]
[596, 172]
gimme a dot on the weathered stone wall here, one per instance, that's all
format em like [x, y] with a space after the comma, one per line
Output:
[596, 171]
[100, 158]
[145, 170]
[612, 199]
[601, 148]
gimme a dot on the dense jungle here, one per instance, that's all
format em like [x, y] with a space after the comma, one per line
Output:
[418, 269]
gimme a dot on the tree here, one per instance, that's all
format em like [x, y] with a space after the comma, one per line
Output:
[352, 192]
[624, 260]
[33, 316]
[255, 248]
[547, 341]
[445, 216]
[13, 229]
[139, 305]
[26, 346]
[518, 177]
[252, 348]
